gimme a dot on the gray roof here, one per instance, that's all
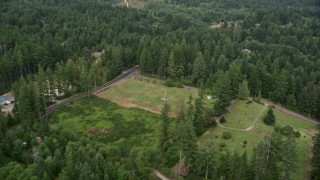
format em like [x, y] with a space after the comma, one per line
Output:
[4, 98]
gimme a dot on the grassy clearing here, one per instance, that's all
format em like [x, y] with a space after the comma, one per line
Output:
[241, 116]
[129, 135]
[106, 122]
[147, 95]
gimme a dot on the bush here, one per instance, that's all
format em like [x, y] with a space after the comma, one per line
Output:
[169, 83]
[167, 172]
[288, 131]
[249, 102]
[245, 142]
[226, 135]
[277, 128]
[222, 144]
[258, 100]
[222, 120]
[179, 85]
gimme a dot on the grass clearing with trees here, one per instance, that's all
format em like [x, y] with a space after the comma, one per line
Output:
[130, 135]
[241, 116]
[107, 121]
[147, 94]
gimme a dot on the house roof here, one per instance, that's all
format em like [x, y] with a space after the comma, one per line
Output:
[4, 98]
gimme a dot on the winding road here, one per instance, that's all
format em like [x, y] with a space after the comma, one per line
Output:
[292, 113]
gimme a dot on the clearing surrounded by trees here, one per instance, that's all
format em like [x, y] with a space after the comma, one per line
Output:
[241, 115]
[147, 93]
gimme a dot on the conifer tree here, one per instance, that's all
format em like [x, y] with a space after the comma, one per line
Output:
[199, 69]
[223, 92]
[198, 120]
[163, 62]
[243, 90]
[186, 138]
[235, 77]
[164, 136]
[206, 158]
[269, 118]
[266, 157]
[315, 172]
[171, 69]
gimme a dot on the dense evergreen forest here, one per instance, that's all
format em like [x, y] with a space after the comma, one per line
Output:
[270, 47]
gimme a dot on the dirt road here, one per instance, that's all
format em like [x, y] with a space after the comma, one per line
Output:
[292, 113]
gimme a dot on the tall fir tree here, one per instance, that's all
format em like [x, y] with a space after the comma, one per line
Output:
[269, 118]
[198, 120]
[223, 92]
[199, 69]
[266, 157]
[206, 158]
[315, 172]
[243, 90]
[164, 136]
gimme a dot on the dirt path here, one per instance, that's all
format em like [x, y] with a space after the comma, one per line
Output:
[257, 117]
[295, 114]
[125, 1]
[248, 128]
[161, 176]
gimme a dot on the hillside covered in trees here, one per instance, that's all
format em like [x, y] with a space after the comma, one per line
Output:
[270, 49]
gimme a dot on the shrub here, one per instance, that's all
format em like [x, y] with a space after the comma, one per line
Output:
[222, 144]
[288, 131]
[179, 85]
[169, 83]
[277, 128]
[249, 102]
[245, 142]
[258, 100]
[222, 120]
[226, 135]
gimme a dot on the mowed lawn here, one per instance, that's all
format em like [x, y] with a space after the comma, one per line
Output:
[147, 95]
[242, 114]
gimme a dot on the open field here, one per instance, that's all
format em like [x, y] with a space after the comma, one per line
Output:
[107, 121]
[242, 114]
[147, 95]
